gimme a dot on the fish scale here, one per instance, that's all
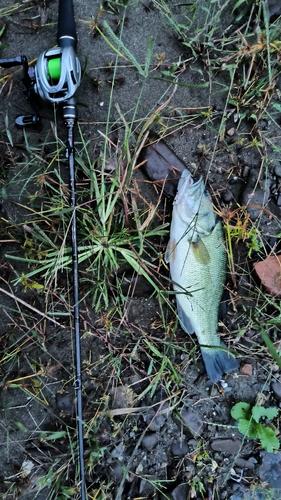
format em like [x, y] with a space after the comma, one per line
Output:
[197, 260]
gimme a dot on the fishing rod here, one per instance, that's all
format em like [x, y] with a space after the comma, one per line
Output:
[55, 78]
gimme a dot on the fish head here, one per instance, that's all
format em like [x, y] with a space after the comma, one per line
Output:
[194, 206]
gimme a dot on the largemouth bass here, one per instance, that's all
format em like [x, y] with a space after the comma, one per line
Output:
[197, 259]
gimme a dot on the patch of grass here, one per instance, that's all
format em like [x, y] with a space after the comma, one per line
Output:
[113, 232]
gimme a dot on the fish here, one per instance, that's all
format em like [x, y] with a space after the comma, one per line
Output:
[197, 259]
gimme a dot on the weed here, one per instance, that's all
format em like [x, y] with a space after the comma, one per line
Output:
[252, 423]
[239, 227]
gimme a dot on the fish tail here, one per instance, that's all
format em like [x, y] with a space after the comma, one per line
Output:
[218, 361]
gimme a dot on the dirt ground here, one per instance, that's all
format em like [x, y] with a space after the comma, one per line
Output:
[155, 426]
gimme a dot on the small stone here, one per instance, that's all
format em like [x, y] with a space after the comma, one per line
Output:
[118, 451]
[65, 402]
[139, 468]
[26, 468]
[223, 495]
[255, 195]
[247, 369]
[179, 447]
[226, 445]
[277, 169]
[149, 441]
[269, 272]
[263, 125]
[180, 492]
[276, 389]
[156, 420]
[226, 195]
[253, 460]
[244, 464]
[231, 131]
[147, 488]
[115, 471]
[192, 421]
[192, 443]
[240, 492]
[270, 469]
[246, 171]
[278, 200]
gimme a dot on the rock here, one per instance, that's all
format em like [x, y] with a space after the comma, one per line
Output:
[255, 195]
[226, 445]
[192, 443]
[263, 125]
[118, 451]
[156, 419]
[147, 488]
[277, 169]
[65, 402]
[149, 441]
[193, 422]
[115, 471]
[231, 131]
[270, 470]
[226, 195]
[269, 272]
[242, 493]
[244, 464]
[274, 8]
[276, 389]
[160, 164]
[179, 447]
[246, 171]
[180, 492]
[139, 469]
[247, 369]
[278, 200]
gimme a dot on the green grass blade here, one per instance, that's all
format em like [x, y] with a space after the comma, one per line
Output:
[270, 346]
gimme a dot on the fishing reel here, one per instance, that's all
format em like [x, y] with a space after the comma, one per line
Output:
[57, 73]
[55, 78]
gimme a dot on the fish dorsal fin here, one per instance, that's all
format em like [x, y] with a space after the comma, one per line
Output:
[200, 252]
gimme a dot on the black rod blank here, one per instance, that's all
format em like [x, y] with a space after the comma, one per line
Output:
[70, 117]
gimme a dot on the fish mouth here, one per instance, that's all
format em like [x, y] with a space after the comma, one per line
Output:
[196, 188]
[189, 188]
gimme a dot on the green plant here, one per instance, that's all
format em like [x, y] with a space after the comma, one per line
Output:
[254, 423]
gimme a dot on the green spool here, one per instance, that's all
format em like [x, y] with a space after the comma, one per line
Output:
[54, 68]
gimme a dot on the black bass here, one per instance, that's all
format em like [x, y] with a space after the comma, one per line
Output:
[197, 259]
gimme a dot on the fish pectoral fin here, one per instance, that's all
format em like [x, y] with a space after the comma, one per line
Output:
[184, 321]
[200, 252]
[170, 253]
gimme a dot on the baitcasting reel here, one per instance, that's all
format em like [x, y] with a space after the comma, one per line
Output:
[57, 73]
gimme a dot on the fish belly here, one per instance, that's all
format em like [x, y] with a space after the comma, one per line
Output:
[199, 285]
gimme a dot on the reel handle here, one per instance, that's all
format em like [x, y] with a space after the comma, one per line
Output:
[67, 36]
